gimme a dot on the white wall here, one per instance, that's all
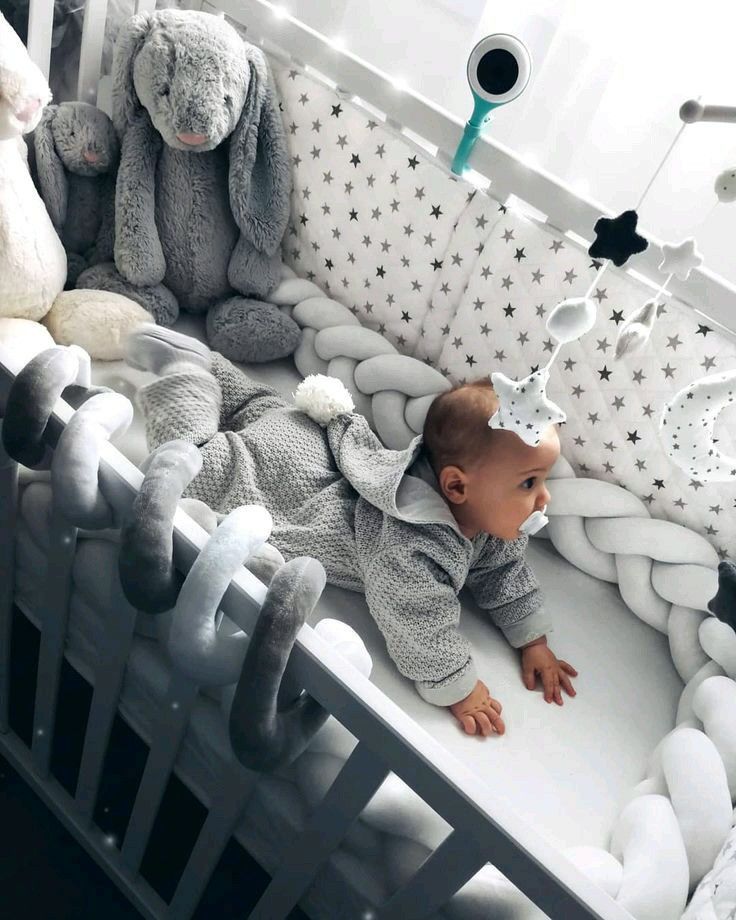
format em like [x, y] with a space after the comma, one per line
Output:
[602, 105]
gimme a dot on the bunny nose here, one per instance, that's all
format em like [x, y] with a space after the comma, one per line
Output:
[192, 140]
[90, 157]
[28, 111]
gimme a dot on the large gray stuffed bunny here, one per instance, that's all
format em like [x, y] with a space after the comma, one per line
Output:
[76, 160]
[203, 189]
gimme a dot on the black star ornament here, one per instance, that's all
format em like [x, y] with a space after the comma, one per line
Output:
[616, 238]
[723, 605]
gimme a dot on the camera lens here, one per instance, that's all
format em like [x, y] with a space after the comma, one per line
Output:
[497, 71]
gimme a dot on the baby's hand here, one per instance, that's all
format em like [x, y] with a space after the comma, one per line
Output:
[539, 659]
[478, 712]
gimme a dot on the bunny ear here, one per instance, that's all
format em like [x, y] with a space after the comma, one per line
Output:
[50, 169]
[260, 171]
[125, 102]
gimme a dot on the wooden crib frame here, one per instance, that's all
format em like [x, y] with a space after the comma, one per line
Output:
[484, 828]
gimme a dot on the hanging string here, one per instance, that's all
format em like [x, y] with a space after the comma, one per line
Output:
[658, 170]
[644, 194]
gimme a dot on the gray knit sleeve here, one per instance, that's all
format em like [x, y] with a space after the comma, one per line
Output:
[414, 603]
[502, 583]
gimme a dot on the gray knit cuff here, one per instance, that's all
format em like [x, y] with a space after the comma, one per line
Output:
[450, 689]
[531, 627]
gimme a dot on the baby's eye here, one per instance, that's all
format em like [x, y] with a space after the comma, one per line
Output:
[531, 479]
[164, 91]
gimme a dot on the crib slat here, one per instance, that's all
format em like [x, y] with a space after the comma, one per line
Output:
[90, 53]
[57, 590]
[40, 27]
[8, 517]
[353, 788]
[166, 737]
[232, 795]
[113, 656]
[444, 872]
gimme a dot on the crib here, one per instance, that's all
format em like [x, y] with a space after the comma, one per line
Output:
[380, 738]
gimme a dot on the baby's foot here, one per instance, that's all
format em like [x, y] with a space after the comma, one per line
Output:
[154, 348]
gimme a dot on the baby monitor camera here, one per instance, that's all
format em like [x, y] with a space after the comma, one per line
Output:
[499, 68]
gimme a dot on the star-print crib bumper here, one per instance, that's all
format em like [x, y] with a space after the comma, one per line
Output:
[613, 406]
[450, 275]
[372, 216]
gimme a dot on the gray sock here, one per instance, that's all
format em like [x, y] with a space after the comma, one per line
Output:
[162, 351]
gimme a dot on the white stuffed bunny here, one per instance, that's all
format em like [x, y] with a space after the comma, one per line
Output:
[33, 265]
[32, 259]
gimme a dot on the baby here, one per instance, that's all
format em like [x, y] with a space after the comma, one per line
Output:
[408, 528]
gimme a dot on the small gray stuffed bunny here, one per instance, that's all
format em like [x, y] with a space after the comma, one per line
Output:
[76, 160]
[203, 189]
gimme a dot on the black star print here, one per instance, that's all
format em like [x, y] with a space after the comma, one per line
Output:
[519, 255]
[617, 316]
[703, 330]
[380, 271]
[436, 264]
[605, 373]
[328, 264]
[632, 436]
[509, 310]
[659, 483]
[617, 239]
[436, 211]
[353, 214]
[337, 110]
[405, 317]
[413, 162]
[355, 159]
[470, 360]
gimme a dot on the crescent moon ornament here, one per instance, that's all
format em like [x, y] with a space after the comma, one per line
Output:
[686, 428]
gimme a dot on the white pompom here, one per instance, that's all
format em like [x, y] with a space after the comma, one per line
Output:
[323, 398]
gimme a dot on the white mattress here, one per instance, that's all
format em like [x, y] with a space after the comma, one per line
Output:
[566, 770]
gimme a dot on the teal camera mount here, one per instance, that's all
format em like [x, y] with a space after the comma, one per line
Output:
[498, 70]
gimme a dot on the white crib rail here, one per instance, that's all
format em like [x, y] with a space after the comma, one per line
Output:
[389, 740]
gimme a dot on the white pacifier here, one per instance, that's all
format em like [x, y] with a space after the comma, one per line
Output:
[536, 521]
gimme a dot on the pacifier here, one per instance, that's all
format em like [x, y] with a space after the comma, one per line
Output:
[535, 522]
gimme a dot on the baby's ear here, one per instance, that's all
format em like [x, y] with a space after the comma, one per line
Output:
[51, 172]
[453, 483]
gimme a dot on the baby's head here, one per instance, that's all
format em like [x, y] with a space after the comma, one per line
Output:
[491, 479]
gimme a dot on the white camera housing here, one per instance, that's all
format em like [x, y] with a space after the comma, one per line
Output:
[499, 68]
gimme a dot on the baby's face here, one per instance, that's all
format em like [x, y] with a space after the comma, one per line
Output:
[504, 489]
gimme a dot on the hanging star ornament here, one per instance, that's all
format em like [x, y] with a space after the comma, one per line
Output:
[523, 406]
[723, 605]
[616, 238]
[681, 259]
